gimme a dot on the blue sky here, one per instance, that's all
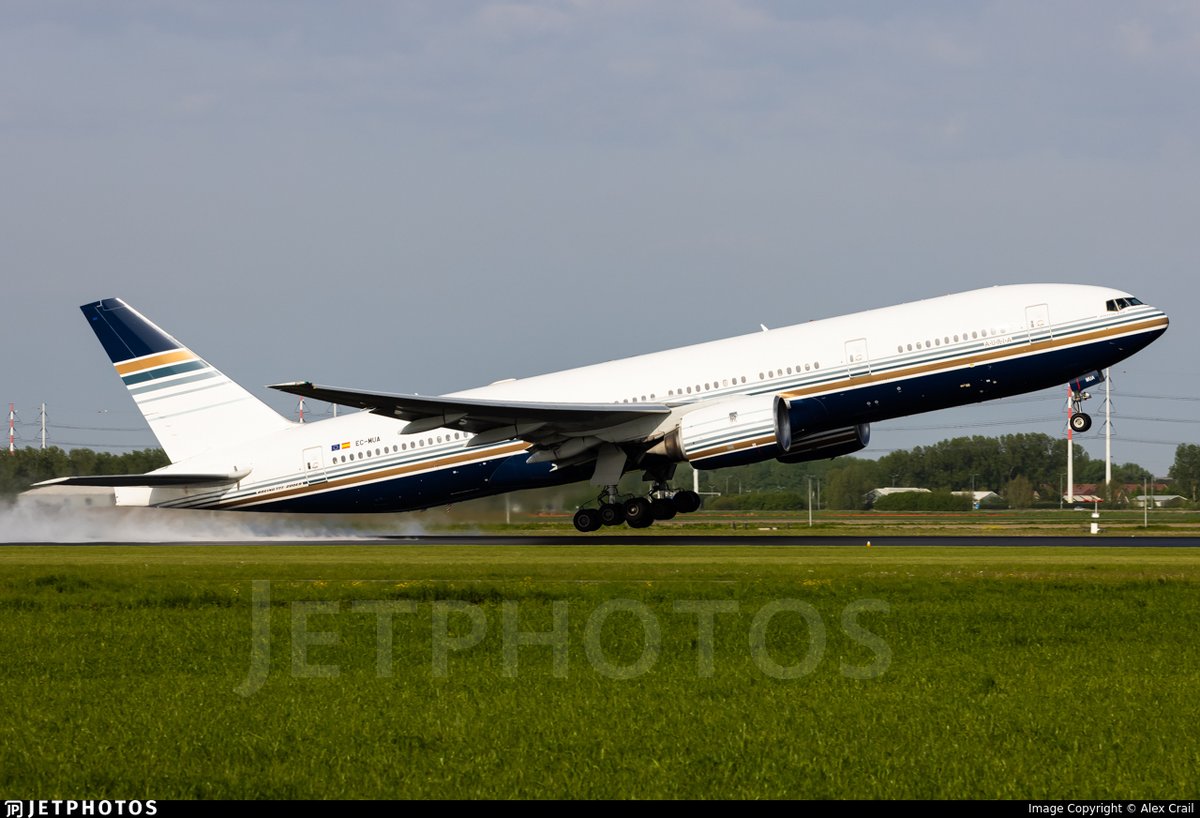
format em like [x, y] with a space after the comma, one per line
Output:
[431, 196]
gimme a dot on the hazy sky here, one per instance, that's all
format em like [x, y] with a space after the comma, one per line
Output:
[425, 197]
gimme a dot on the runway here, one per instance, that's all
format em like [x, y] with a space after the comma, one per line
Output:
[711, 540]
[772, 540]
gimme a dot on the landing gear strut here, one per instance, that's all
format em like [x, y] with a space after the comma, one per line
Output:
[611, 510]
[1080, 421]
[662, 501]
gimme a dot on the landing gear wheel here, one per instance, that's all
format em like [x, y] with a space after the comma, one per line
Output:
[686, 501]
[612, 514]
[587, 520]
[638, 513]
[1081, 422]
[663, 508]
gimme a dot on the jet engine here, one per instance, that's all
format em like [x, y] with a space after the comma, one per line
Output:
[723, 430]
[802, 430]
[754, 428]
[828, 444]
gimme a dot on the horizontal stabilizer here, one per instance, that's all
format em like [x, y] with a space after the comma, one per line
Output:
[147, 480]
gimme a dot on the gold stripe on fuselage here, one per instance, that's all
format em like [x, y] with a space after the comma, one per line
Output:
[395, 471]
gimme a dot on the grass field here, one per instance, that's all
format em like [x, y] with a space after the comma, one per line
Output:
[274, 671]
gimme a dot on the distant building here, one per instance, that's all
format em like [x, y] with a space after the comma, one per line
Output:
[1158, 500]
[1092, 493]
[979, 498]
[1125, 488]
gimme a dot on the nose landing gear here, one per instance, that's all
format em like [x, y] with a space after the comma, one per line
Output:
[1080, 421]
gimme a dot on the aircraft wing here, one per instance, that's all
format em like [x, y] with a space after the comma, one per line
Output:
[490, 420]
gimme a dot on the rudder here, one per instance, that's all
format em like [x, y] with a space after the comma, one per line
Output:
[190, 405]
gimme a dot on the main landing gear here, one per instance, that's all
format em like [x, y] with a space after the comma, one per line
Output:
[1080, 421]
[663, 503]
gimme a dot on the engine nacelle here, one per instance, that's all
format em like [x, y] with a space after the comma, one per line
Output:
[722, 430]
[828, 444]
[801, 430]
[756, 428]
[797, 419]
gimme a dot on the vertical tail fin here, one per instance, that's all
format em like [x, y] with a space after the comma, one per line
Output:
[190, 406]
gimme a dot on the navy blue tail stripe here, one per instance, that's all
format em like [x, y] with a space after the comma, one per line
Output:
[163, 372]
[123, 333]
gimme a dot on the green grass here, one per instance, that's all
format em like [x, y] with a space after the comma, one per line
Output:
[992, 673]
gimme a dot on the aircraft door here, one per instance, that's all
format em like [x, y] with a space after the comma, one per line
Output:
[314, 465]
[857, 361]
[1037, 320]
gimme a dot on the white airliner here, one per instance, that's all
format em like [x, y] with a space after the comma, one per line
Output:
[797, 393]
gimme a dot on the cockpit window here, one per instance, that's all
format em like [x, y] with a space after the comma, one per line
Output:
[1118, 304]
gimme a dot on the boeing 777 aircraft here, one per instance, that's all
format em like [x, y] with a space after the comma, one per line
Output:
[798, 393]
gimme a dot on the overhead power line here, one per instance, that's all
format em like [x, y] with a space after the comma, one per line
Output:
[124, 446]
[1150, 442]
[1161, 397]
[1160, 420]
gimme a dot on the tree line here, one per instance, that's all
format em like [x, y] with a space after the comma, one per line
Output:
[24, 467]
[1023, 468]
